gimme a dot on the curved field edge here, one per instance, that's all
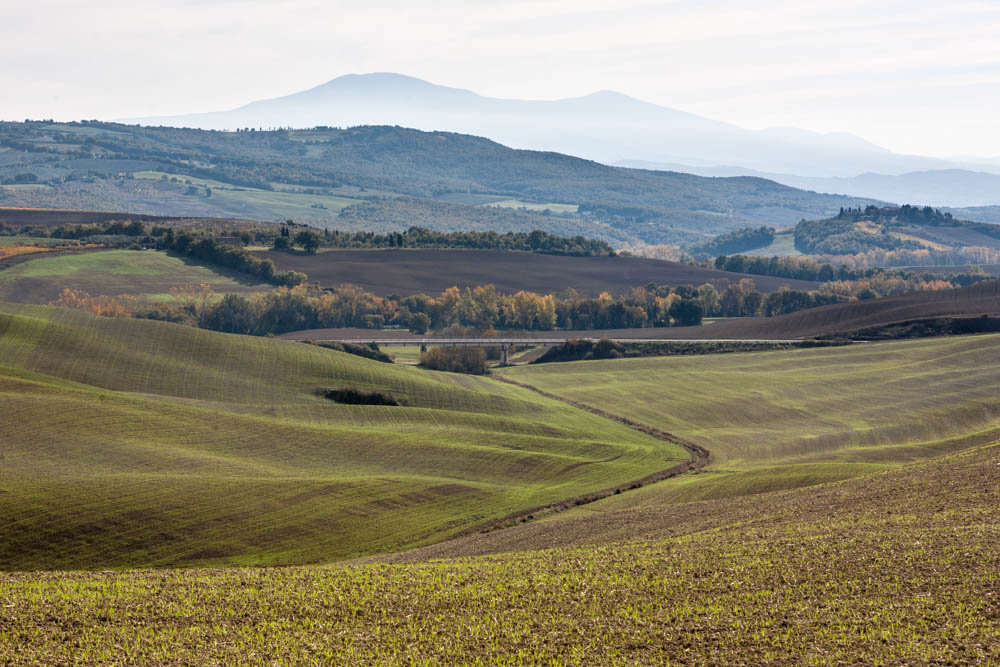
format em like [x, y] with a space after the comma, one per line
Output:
[134, 443]
[897, 567]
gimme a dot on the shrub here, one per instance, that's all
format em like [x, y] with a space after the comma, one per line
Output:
[455, 359]
[357, 397]
[370, 351]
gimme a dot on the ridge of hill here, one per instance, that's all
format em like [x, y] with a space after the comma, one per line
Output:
[606, 126]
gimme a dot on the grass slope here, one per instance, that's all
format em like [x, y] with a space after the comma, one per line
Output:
[110, 272]
[895, 568]
[778, 420]
[137, 443]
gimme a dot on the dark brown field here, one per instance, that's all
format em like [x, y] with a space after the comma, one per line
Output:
[404, 272]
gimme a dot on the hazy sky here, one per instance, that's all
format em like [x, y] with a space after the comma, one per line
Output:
[917, 76]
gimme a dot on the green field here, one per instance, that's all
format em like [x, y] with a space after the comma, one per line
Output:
[130, 443]
[254, 203]
[895, 568]
[783, 245]
[403, 354]
[111, 272]
[139, 443]
[776, 420]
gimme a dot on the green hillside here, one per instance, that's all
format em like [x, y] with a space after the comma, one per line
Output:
[776, 420]
[110, 273]
[138, 443]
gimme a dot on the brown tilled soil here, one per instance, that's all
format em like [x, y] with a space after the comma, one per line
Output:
[413, 271]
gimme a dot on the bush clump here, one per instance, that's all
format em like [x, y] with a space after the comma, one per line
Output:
[578, 350]
[357, 397]
[455, 359]
[368, 351]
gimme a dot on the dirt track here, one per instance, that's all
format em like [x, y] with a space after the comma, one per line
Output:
[700, 457]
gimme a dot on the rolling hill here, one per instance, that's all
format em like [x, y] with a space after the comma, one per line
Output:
[129, 443]
[896, 565]
[311, 175]
[111, 273]
[955, 187]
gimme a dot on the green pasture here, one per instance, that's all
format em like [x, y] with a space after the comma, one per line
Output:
[403, 354]
[111, 272]
[140, 443]
[783, 245]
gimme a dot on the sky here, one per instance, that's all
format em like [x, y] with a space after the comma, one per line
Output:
[915, 76]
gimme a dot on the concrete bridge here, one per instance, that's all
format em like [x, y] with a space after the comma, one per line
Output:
[506, 343]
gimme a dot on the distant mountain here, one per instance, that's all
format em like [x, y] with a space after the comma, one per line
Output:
[604, 126]
[938, 187]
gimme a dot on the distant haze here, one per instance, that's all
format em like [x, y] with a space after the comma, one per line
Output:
[917, 77]
[614, 128]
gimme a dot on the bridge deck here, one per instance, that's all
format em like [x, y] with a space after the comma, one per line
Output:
[493, 342]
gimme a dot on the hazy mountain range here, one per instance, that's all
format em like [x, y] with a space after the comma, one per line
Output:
[616, 129]
[937, 187]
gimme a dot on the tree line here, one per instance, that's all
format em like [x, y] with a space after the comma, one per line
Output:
[419, 237]
[231, 257]
[807, 268]
[484, 308]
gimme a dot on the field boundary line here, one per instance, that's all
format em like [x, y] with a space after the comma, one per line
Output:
[700, 457]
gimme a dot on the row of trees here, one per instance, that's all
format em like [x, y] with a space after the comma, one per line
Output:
[484, 308]
[836, 268]
[419, 237]
[231, 257]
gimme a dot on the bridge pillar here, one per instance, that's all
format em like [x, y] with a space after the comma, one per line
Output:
[503, 354]
[423, 347]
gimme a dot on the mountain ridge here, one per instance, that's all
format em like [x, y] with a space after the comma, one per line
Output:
[606, 126]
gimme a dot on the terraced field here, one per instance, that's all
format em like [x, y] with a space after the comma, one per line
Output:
[138, 443]
[111, 272]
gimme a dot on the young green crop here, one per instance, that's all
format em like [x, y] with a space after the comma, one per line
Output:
[140, 443]
[894, 568]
